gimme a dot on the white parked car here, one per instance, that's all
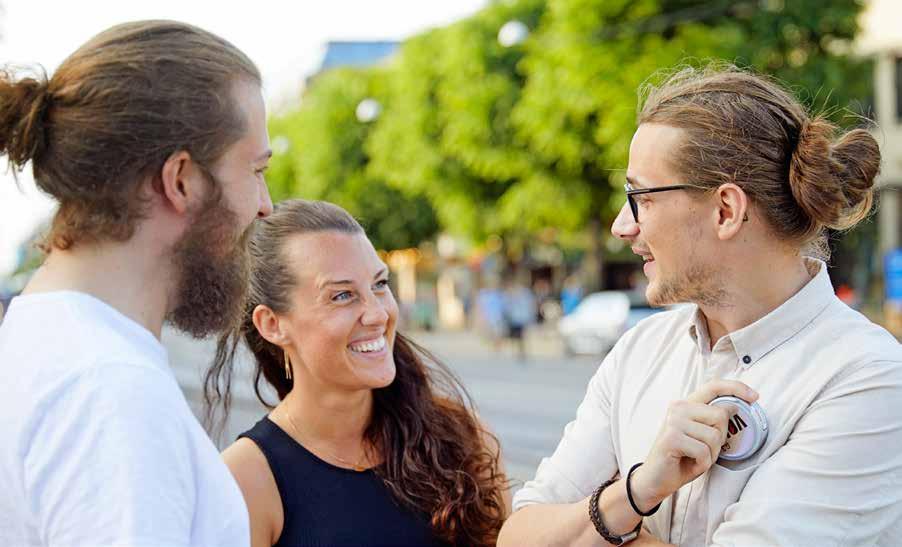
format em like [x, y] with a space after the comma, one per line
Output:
[600, 319]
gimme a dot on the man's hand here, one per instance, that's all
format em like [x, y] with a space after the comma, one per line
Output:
[688, 444]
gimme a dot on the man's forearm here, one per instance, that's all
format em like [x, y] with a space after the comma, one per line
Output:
[566, 524]
[547, 525]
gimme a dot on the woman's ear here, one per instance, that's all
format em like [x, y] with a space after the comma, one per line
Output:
[269, 326]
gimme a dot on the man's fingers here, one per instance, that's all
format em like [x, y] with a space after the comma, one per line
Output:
[711, 436]
[718, 388]
[714, 416]
[696, 450]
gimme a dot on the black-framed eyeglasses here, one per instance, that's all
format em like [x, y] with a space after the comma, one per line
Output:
[632, 192]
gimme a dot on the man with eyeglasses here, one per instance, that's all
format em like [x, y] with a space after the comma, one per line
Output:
[731, 186]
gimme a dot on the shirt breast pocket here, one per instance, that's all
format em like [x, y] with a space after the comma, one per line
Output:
[725, 485]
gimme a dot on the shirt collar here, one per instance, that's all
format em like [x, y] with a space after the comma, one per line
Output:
[698, 330]
[100, 311]
[754, 341]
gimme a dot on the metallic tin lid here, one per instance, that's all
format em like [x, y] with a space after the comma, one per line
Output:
[747, 430]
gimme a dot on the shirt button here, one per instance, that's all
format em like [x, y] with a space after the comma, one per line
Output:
[746, 359]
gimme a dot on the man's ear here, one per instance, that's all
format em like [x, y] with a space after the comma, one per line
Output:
[269, 326]
[733, 208]
[181, 182]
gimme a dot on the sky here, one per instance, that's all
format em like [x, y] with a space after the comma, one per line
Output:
[285, 39]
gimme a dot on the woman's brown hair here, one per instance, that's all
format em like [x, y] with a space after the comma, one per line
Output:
[436, 457]
[111, 115]
[801, 172]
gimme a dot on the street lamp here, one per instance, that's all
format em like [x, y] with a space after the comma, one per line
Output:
[513, 33]
[368, 110]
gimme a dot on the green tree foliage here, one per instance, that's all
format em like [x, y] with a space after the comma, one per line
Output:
[319, 154]
[447, 131]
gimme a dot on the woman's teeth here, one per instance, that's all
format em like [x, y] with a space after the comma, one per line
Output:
[369, 347]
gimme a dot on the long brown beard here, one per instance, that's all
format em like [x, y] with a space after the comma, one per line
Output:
[213, 266]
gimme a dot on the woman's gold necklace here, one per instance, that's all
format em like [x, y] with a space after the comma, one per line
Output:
[359, 467]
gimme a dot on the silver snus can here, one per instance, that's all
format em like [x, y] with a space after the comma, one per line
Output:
[746, 430]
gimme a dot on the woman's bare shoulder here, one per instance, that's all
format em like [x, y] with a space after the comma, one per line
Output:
[251, 470]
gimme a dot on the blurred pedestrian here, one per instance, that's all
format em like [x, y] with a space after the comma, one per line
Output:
[571, 294]
[731, 184]
[490, 310]
[152, 138]
[545, 303]
[372, 441]
[519, 313]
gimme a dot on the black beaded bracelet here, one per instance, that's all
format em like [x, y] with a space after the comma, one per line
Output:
[629, 495]
[595, 517]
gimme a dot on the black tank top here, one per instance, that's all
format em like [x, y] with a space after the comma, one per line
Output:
[325, 505]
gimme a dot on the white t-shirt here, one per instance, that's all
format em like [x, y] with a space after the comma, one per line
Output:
[99, 446]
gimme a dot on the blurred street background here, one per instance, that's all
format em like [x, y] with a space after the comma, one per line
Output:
[483, 146]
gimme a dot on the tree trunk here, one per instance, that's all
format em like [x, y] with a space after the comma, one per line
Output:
[593, 263]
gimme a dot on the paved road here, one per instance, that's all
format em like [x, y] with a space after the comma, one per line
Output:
[526, 404]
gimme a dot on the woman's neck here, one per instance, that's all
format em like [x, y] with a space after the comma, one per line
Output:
[335, 418]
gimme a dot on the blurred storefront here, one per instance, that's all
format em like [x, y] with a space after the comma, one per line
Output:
[881, 39]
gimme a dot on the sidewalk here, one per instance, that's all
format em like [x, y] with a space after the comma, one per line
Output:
[541, 342]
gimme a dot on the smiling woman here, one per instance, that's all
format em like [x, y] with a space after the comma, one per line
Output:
[369, 444]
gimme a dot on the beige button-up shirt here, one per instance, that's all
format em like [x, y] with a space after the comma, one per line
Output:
[830, 382]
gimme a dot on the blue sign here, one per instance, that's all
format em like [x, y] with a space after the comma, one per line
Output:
[893, 275]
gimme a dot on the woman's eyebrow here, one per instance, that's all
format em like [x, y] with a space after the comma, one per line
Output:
[326, 282]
